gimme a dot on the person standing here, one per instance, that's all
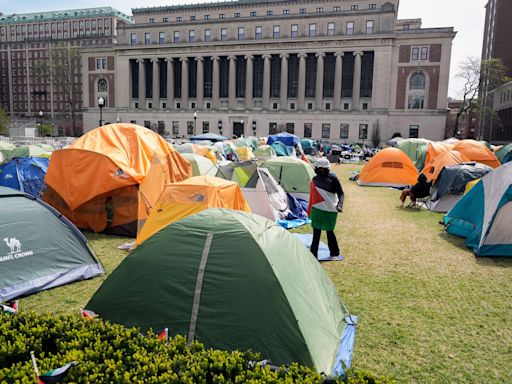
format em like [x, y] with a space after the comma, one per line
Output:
[325, 201]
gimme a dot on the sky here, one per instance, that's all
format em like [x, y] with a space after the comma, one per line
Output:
[466, 16]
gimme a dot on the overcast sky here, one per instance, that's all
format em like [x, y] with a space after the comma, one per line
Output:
[467, 16]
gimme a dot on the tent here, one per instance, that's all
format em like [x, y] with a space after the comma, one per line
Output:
[390, 167]
[6, 149]
[286, 138]
[282, 150]
[213, 137]
[46, 147]
[245, 153]
[234, 281]
[434, 150]
[477, 151]
[265, 197]
[107, 179]
[434, 167]
[484, 215]
[201, 165]
[293, 174]
[185, 198]
[504, 154]
[25, 174]
[40, 249]
[29, 151]
[196, 149]
[265, 152]
[451, 184]
[394, 141]
[1, 158]
[238, 172]
[416, 149]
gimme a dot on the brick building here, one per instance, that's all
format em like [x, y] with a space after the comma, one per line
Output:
[467, 121]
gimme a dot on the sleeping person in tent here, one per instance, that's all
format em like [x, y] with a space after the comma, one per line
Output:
[325, 201]
[420, 190]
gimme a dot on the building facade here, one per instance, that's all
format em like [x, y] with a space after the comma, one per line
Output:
[332, 70]
[466, 128]
[501, 119]
[28, 43]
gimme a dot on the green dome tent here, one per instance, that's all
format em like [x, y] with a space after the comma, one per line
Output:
[293, 174]
[235, 281]
[265, 152]
[6, 149]
[29, 151]
[416, 149]
[201, 165]
[40, 249]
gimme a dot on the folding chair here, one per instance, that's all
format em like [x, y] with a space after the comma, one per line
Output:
[421, 202]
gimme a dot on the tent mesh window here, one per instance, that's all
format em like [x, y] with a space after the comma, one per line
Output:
[392, 164]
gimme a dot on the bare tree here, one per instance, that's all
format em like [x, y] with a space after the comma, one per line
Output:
[376, 134]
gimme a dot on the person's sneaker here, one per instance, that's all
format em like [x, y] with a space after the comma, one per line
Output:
[335, 258]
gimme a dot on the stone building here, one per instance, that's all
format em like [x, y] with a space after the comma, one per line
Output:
[333, 70]
[501, 118]
[27, 42]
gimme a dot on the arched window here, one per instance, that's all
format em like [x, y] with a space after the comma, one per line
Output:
[102, 85]
[417, 81]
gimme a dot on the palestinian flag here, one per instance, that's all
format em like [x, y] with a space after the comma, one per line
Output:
[56, 375]
[86, 314]
[163, 335]
[305, 159]
[11, 307]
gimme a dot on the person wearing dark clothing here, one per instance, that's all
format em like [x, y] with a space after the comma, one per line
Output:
[419, 190]
[325, 201]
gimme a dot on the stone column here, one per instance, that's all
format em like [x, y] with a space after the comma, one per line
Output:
[215, 82]
[301, 101]
[232, 82]
[184, 82]
[142, 84]
[156, 83]
[356, 90]
[170, 83]
[283, 92]
[249, 81]
[200, 83]
[319, 89]
[266, 81]
[337, 80]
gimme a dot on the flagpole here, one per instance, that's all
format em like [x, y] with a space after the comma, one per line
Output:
[34, 363]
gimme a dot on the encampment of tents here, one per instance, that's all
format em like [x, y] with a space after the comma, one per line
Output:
[390, 167]
[40, 249]
[484, 215]
[243, 283]
[184, 198]
[434, 167]
[213, 137]
[477, 151]
[201, 165]
[108, 178]
[244, 153]
[434, 150]
[293, 174]
[196, 149]
[25, 174]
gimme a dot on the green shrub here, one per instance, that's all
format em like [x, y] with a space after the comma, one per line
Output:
[110, 353]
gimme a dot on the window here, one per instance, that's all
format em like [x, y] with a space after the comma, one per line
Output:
[406, 27]
[270, 13]
[294, 30]
[363, 131]
[416, 101]
[336, 8]
[369, 27]
[344, 128]
[165, 20]
[258, 34]
[274, 106]
[365, 106]
[326, 130]
[350, 28]
[312, 30]
[224, 34]
[207, 34]
[417, 81]
[290, 128]
[161, 37]
[354, 7]
[151, 21]
[206, 17]
[241, 33]
[176, 36]
[276, 31]
[192, 36]
[190, 127]
[302, 10]
[372, 6]
[308, 129]
[310, 106]
[102, 85]
[101, 63]
[424, 53]
[206, 126]
[272, 128]
[237, 14]
[221, 15]
[330, 29]
[286, 11]
[147, 38]
[414, 131]
[175, 127]
[415, 53]
[345, 105]
[133, 39]
[178, 18]
[319, 10]
[192, 18]
[253, 14]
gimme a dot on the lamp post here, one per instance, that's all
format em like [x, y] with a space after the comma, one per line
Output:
[243, 128]
[101, 104]
[195, 122]
[220, 127]
[118, 120]
[254, 127]
[40, 123]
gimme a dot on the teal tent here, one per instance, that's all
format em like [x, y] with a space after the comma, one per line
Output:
[236, 281]
[504, 154]
[40, 249]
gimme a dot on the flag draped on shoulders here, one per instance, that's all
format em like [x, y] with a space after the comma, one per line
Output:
[325, 195]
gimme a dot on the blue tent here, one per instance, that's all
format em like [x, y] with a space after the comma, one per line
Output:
[209, 137]
[284, 137]
[281, 149]
[25, 174]
[484, 215]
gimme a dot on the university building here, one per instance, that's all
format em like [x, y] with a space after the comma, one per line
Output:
[27, 42]
[333, 70]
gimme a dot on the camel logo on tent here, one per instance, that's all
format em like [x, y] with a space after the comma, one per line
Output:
[120, 173]
[197, 197]
[14, 244]
[8, 176]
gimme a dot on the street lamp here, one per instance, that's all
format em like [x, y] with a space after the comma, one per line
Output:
[195, 122]
[220, 127]
[41, 123]
[254, 127]
[101, 104]
[118, 120]
[243, 128]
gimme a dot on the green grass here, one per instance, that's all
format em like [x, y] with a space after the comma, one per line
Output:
[429, 311]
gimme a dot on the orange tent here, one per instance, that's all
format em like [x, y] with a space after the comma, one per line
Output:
[185, 198]
[477, 151]
[390, 167]
[107, 178]
[434, 168]
[434, 150]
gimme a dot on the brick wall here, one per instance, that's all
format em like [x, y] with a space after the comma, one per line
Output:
[401, 86]
[435, 53]
[405, 54]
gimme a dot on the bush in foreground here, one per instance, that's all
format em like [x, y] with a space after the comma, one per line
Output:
[110, 353]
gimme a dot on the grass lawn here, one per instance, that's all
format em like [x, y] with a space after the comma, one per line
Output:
[429, 311]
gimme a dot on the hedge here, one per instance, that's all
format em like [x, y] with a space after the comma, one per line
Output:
[111, 353]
